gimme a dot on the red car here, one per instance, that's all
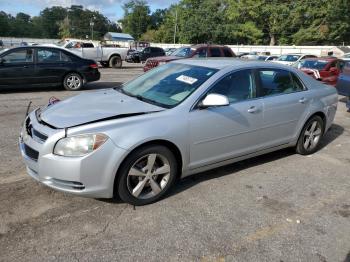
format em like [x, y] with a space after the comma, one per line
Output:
[201, 50]
[325, 69]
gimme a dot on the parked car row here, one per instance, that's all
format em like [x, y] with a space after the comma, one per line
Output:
[195, 51]
[142, 56]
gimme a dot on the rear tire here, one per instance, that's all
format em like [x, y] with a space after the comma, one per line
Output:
[115, 62]
[146, 175]
[73, 82]
[310, 136]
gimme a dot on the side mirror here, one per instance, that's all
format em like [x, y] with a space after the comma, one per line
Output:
[2, 61]
[214, 100]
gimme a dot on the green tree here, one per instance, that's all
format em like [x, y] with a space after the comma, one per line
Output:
[137, 18]
[64, 28]
[50, 20]
[5, 24]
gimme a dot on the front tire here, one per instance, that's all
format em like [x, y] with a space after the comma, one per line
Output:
[310, 136]
[147, 175]
[73, 82]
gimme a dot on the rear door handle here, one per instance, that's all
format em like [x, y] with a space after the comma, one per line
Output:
[25, 66]
[253, 110]
[302, 100]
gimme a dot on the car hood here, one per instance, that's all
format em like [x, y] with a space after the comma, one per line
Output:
[92, 107]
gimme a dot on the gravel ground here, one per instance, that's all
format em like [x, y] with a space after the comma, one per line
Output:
[276, 207]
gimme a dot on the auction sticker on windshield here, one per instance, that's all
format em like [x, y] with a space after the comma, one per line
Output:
[187, 79]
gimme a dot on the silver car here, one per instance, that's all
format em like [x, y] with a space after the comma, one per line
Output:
[178, 119]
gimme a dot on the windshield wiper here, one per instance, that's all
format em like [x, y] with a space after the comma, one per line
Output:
[147, 100]
[141, 98]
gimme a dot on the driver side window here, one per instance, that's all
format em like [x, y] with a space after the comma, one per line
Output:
[19, 56]
[238, 86]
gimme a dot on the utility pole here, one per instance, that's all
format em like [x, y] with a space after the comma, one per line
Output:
[92, 27]
[175, 28]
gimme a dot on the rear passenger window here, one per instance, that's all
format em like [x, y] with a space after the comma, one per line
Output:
[298, 85]
[88, 45]
[227, 52]
[49, 56]
[201, 53]
[65, 58]
[215, 52]
[274, 82]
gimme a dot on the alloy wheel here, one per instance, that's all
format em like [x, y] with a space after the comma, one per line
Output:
[148, 176]
[73, 82]
[312, 135]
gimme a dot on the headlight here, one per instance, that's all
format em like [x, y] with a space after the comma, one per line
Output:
[80, 145]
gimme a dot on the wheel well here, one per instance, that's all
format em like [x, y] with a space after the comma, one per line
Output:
[322, 115]
[114, 55]
[171, 146]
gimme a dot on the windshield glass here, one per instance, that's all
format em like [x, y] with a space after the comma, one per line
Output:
[288, 58]
[313, 64]
[182, 52]
[168, 85]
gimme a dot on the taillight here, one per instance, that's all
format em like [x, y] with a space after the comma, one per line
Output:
[93, 66]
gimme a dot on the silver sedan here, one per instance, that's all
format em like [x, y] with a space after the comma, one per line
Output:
[178, 119]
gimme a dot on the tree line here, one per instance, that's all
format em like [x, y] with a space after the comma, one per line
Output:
[57, 22]
[267, 22]
[282, 22]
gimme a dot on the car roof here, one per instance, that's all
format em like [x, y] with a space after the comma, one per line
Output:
[206, 45]
[36, 47]
[221, 63]
[327, 58]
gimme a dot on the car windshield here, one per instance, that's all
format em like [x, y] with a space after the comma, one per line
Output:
[288, 58]
[182, 52]
[167, 85]
[313, 64]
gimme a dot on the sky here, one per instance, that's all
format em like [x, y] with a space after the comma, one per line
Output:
[110, 8]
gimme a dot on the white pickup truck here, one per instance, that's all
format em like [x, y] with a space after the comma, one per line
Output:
[107, 56]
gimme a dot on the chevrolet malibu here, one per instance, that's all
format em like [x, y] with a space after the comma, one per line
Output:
[178, 119]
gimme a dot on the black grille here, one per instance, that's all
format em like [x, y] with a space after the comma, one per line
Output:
[39, 135]
[29, 127]
[31, 153]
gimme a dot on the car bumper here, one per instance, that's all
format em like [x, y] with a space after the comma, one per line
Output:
[89, 176]
[92, 76]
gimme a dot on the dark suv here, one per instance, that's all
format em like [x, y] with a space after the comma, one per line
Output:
[142, 56]
[194, 51]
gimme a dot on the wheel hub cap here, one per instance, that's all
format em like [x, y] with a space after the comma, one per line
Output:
[148, 176]
[312, 135]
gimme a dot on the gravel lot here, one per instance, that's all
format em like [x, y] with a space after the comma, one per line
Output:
[277, 207]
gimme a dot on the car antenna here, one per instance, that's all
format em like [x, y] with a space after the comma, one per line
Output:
[65, 131]
[28, 107]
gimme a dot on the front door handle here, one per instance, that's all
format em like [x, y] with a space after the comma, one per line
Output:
[253, 110]
[25, 66]
[302, 100]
